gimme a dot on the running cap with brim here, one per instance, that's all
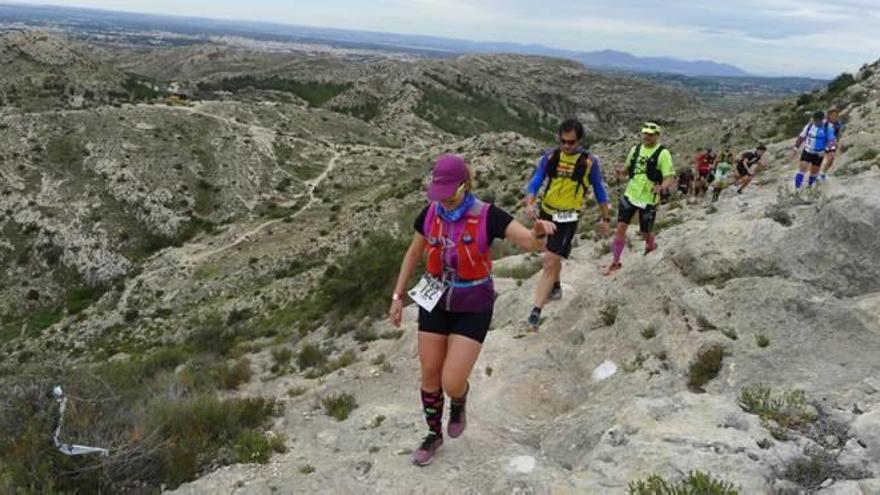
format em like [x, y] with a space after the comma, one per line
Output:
[650, 128]
[450, 171]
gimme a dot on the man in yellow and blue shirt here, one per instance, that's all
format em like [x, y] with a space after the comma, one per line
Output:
[650, 169]
[569, 170]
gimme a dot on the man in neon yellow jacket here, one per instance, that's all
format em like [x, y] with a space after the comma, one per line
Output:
[650, 169]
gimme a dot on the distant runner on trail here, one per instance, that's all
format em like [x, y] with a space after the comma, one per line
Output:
[685, 182]
[704, 163]
[834, 120]
[747, 166]
[650, 170]
[456, 295]
[817, 138]
[569, 170]
[723, 166]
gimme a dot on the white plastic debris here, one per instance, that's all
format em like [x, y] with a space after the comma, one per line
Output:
[523, 464]
[69, 448]
[604, 371]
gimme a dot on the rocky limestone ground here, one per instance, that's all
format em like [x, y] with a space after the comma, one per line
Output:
[799, 275]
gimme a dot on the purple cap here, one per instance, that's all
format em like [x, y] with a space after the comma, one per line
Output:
[449, 173]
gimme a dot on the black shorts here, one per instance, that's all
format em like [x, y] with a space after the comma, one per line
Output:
[813, 159]
[626, 210]
[560, 242]
[742, 170]
[471, 325]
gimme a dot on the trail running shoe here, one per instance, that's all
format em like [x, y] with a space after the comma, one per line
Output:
[556, 293]
[613, 268]
[457, 420]
[425, 453]
[534, 320]
[650, 246]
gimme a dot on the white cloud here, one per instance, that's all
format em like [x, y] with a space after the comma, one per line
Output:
[762, 36]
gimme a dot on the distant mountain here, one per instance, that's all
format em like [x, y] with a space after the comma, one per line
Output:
[417, 44]
[626, 61]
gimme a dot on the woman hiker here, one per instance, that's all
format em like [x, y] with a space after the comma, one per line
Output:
[456, 294]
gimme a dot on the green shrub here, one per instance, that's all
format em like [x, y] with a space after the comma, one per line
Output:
[788, 410]
[840, 83]
[255, 446]
[205, 424]
[343, 361]
[231, 377]
[705, 367]
[465, 110]
[80, 298]
[649, 332]
[212, 335]
[361, 283]
[155, 437]
[696, 483]
[365, 334]
[817, 466]
[315, 93]
[252, 446]
[281, 357]
[139, 91]
[310, 356]
[365, 111]
[296, 391]
[339, 406]
[42, 320]
[868, 155]
[391, 335]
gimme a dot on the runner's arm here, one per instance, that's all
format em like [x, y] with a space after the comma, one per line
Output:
[598, 183]
[410, 261]
[537, 179]
[831, 145]
[801, 137]
[667, 169]
[529, 239]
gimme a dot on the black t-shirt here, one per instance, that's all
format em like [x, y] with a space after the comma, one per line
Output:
[749, 158]
[496, 222]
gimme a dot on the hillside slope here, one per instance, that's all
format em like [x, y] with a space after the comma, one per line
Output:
[787, 288]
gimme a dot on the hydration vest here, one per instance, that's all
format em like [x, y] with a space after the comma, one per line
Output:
[460, 247]
[651, 168]
[581, 169]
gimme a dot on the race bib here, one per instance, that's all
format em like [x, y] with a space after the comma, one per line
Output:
[428, 292]
[565, 217]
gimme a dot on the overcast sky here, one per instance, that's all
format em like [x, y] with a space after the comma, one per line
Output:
[768, 37]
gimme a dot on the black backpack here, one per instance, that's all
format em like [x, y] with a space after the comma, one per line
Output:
[651, 169]
[581, 168]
